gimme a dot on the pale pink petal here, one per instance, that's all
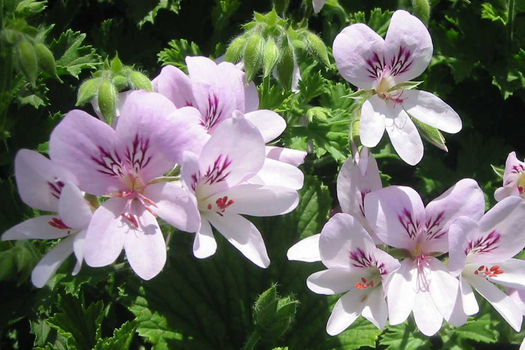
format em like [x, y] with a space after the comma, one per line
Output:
[402, 292]
[503, 227]
[36, 228]
[443, 288]
[306, 250]
[286, 155]
[513, 166]
[468, 299]
[390, 266]
[431, 110]
[507, 191]
[191, 133]
[106, 233]
[373, 114]
[408, 46]
[88, 148]
[73, 208]
[175, 85]
[334, 280]
[346, 311]
[203, 70]
[517, 296]
[234, 79]
[405, 138]
[318, 5]
[174, 205]
[145, 247]
[269, 123]
[358, 53]
[236, 149]
[499, 300]
[460, 229]
[251, 98]
[341, 238]
[255, 200]
[465, 198]
[396, 214]
[426, 315]
[376, 310]
[48, 265]
[243, 235]
[189, 168]
[78, 249]
[39, 180]
[458, 317]
[513, 275]
[204, 244]
[215, 104]
[276, 173]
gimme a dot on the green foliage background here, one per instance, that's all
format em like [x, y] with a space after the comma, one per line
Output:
[478, 68]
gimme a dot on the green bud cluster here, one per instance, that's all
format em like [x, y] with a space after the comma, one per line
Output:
[270, 43]
[32, 55]
[106, 83]
[273, 315]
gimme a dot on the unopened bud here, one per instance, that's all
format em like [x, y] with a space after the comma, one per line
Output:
[253, 55]
[431, 134]
[107, 100]
[265, 308]
[140, 81]
[46, 60]
[116, 65]
[120, 82]
[235, 50]
[422, 10]
[88, 90]
[28, 61]
[317, 48]
[285, 66]
[271, 56]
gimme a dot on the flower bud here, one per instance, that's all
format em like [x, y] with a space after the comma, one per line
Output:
[422, 10]
[107, 100]
[46, 60]
[317, 48]
[28, 61]
[253, 55]
[286, 310]
[120, 82]
[116, 65]
[271, 56]
[88, 90]
[140, 81]
[266, 307]
[235, 50]
[431, 134]
[30, 7]
[285, 67]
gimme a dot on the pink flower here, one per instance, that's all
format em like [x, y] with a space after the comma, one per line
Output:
[219, 90]
[219, 179]
[481, 252]
[422, 285]
[369, 62]
[123, 163]
[513, 179]
[46, 186]
[355, 266]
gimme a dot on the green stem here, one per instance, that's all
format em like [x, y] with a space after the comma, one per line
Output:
[510, 23]
[252, 341]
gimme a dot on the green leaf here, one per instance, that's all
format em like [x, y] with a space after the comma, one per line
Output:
[121, 339]
[178, 50]
[80, 326]
[404, 337]
[407, 85]
[362, 94]
[73, 56]
[481, 329]
[146, 11]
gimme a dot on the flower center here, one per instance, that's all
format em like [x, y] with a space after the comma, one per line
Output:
[521, 184]
[220, 205]
[366, 284]
[485, 271]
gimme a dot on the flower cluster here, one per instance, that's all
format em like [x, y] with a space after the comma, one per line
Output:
[193, 153]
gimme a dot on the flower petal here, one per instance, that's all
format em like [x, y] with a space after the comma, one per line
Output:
[318, 5]
[269, 123]
[334, 280]
[396, 214]
[499, 300]
[204, 244]
[191, 134]
[174, 205]
[78, 249]
[88, 148]
[408, 46]
[235, 81]
[106, 233]
[306, 250]
[73, 208]
[203, 70]
[513, 166]
[460, 229]
[443, 288]
[175, 85]
[513, 275]
[405, 138]
[36, 228]
[251, 98]
[346, 311]
[286, 155]
[376, 310]
[468, 299]
[465, 198]
[145, 247]
[48, 265]
[358, 54]
[402, 292]
[39, 180]
[431, 110]
[341, 237]
[243, 235]
[189, 171]
[257, 200]
[458, 317]
[427, 317]
[276, 173]
[373, 114]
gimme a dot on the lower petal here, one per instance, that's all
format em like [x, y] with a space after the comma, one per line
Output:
[345, 312]
[306, 250]
[204, 244]
[36, 228]
[286, 155]
[243, 235]
[276, 173]
[405, 138]
[402, 292]
[78, 249]
[443, 288]
[376, 310]
[372, 126]
[333, 281]
[468, 299]
[427, 316]
[48, 265]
